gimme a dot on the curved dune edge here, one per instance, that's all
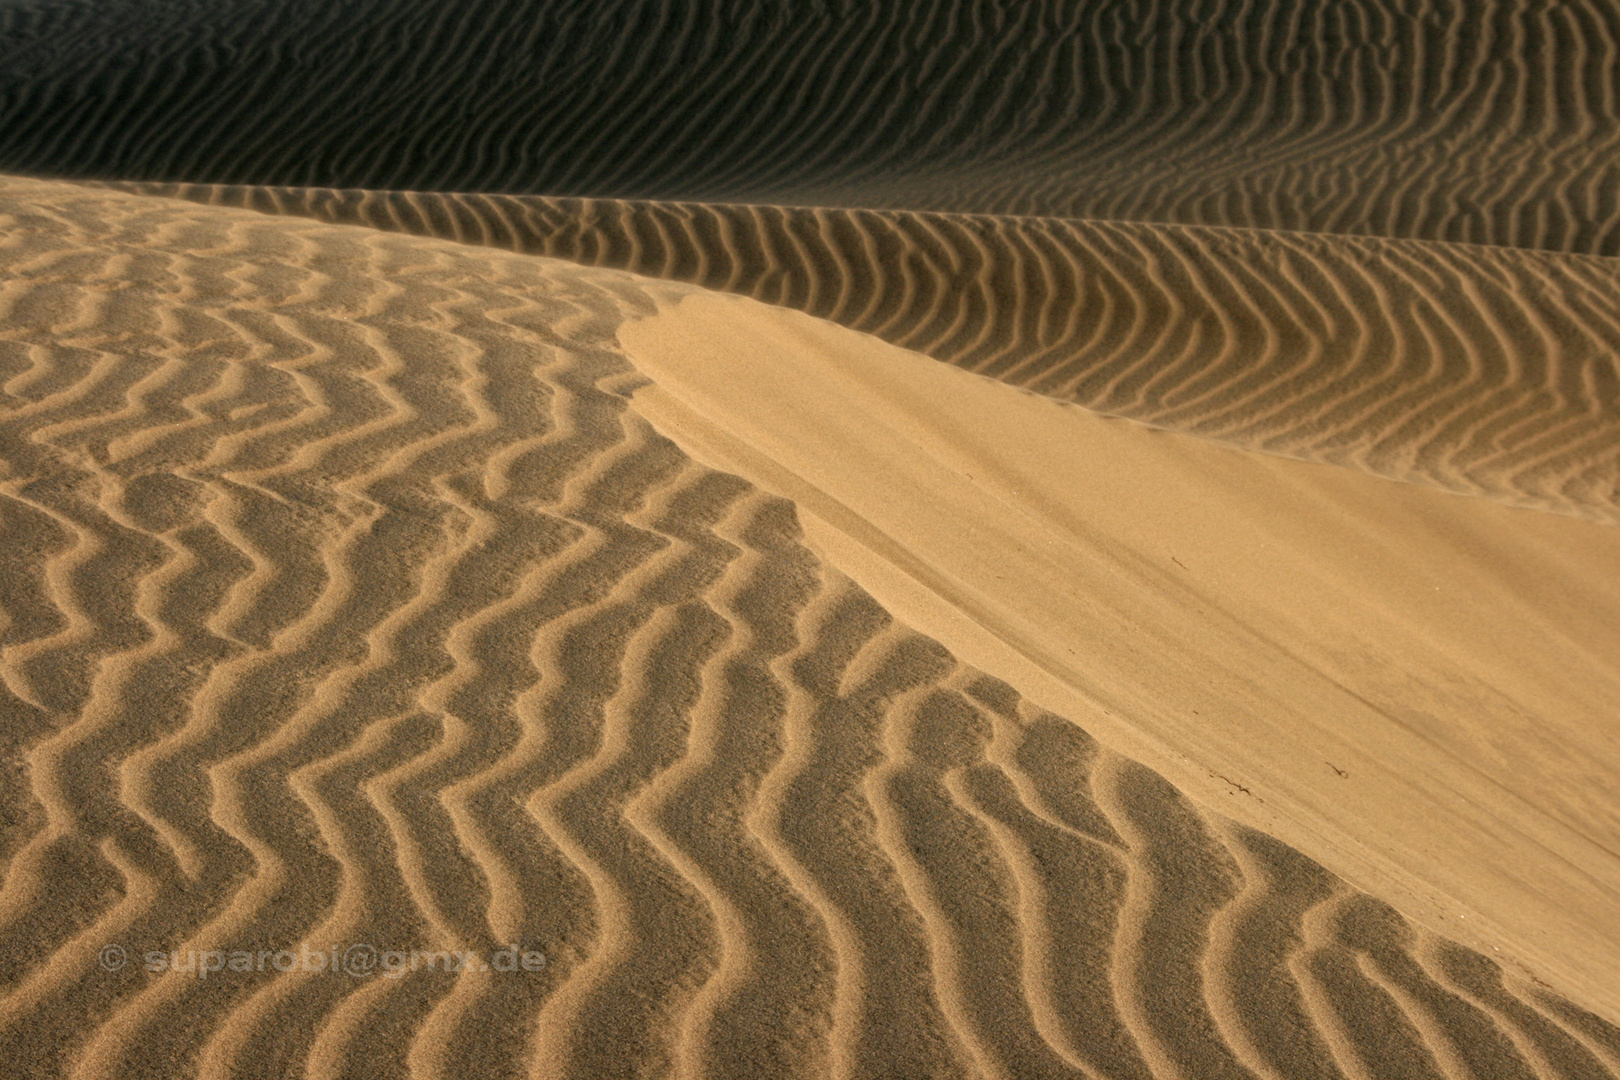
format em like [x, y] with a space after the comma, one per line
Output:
[349, 597]
[1487, 371]
[1252, 627]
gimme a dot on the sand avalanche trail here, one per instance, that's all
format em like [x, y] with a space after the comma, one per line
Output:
[350, 600]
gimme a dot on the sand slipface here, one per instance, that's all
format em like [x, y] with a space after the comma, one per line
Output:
[1260, 630]
[356, 596]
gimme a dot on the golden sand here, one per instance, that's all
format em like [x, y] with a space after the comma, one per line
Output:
[809, 707]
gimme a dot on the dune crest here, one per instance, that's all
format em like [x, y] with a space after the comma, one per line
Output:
[352, 600]
[1488, 371]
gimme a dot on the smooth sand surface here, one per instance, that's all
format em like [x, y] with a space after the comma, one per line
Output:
[1396, 680]
[357, 593]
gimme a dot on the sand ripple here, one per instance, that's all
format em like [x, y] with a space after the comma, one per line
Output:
[1482, 370]
[349, 601]
[1480, 121]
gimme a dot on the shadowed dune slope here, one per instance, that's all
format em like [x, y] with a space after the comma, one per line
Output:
[1482, 121]
[1483, 370]
[348, 599]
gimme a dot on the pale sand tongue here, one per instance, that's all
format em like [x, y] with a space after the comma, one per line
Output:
[1233, 620]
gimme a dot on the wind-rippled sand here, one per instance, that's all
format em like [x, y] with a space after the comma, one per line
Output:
[1484, 370]
[1480, 121]
[478, 480]
[351, 600]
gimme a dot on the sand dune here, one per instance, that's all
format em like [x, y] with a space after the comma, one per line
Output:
[1260, 631]
[1484, 122]
[1482, 370]
[496, 581]
[351, 599]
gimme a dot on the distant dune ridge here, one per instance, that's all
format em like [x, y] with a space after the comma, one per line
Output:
[1484, 121]
[349, 600]
[450, 555]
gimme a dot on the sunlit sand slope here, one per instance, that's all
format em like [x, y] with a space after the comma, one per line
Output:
[1485, 121]
[1415, 688]
[1482, 370]
[349, 600]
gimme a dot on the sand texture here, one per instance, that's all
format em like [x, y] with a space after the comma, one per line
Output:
[351, 599]
[1482, 121]
[799, 538]
[1484, 370]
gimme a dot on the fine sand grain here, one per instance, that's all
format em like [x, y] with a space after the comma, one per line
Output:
[355, 594]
